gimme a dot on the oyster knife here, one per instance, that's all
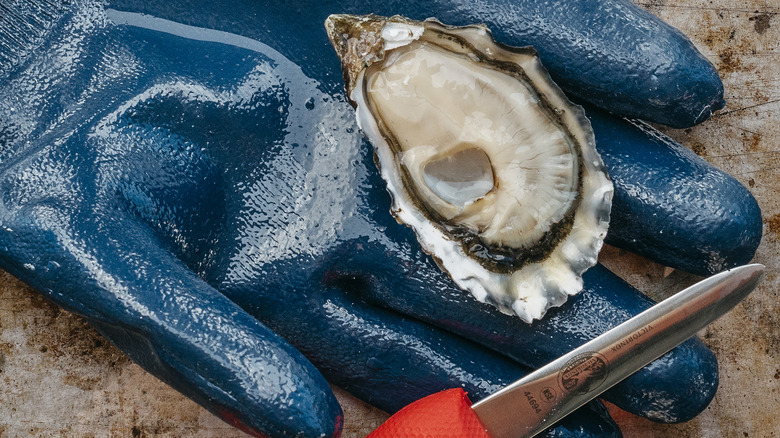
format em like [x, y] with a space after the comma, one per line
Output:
[535, 402]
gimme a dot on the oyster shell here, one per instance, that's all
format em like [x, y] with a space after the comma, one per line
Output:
[485, 158]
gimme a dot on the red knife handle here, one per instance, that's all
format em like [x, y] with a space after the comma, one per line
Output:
[446, 414]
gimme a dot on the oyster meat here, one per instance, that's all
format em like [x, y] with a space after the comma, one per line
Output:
[485, 158]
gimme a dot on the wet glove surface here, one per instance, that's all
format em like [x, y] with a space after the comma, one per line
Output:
[185, 189]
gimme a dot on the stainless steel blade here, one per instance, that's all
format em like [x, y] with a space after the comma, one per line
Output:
[534, 403]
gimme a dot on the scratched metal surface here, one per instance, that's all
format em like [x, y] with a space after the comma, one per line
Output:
[59, 378]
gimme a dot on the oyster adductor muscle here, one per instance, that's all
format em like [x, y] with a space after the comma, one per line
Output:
[485, 158]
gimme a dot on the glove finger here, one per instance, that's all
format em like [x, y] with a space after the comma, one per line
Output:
[168, 320]
[676, 387]
[384, 358]
[672, 206]
[685, 87]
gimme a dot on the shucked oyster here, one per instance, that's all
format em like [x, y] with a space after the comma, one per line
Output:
[485, 158]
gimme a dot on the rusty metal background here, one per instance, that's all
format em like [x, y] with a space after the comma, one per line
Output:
[59, 378]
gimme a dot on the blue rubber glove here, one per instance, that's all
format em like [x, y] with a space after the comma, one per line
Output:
[190, 179]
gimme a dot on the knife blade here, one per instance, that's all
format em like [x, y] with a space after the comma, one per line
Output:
[551, 392]
[535, 402]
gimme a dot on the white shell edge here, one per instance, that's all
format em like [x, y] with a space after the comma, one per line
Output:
[396, 34]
